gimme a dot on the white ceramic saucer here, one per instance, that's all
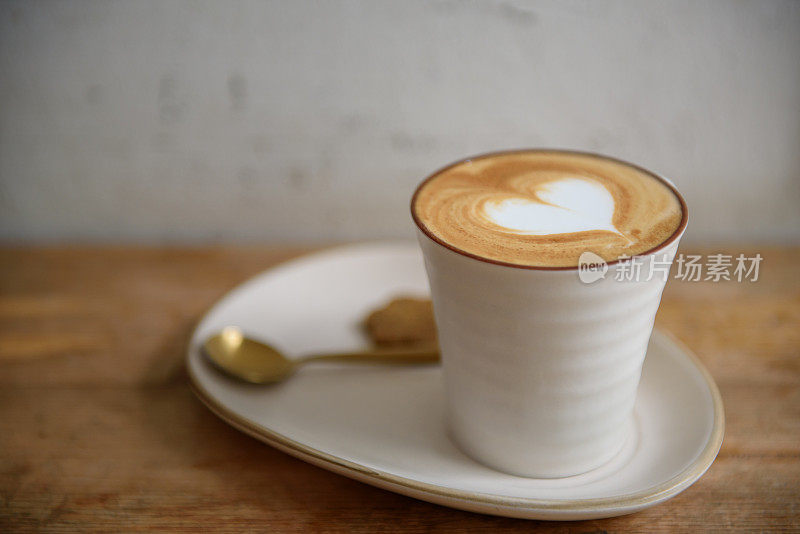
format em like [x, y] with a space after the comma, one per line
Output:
[384, 426]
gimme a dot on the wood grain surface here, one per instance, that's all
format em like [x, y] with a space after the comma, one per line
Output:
[99, 431]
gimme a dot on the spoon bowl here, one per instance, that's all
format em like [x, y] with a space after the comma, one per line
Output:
[247, 359]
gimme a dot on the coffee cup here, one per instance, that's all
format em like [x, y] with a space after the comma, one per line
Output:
[540, 366]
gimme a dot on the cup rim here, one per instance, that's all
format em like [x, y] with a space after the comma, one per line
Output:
[664, 244]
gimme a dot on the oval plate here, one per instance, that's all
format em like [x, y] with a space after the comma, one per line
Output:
[384, 426]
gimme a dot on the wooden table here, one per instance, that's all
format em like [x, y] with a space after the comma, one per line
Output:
[100, 432]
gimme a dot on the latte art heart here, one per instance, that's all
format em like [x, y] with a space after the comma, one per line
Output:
[545, 208]
[561, 207]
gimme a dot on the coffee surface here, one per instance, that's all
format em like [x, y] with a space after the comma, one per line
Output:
[545, 208]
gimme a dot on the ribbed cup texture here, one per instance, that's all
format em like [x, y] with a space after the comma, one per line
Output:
[540, 369]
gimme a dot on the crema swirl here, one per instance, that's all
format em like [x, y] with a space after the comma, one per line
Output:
[545, 208]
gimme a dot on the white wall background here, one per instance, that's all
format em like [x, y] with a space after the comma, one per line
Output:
[275, 121]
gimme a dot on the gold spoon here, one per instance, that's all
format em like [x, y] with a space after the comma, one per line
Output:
[259, 363]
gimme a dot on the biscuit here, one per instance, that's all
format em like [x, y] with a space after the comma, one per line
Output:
[403, 321]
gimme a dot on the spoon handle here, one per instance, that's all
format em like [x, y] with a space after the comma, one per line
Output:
[384, 356]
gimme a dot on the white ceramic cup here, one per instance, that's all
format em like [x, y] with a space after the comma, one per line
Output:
[541, 369]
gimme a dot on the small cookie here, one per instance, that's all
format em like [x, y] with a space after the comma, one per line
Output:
[405, 320]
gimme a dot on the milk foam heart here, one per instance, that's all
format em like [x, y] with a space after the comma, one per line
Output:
[572, 205]
[545, 208]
